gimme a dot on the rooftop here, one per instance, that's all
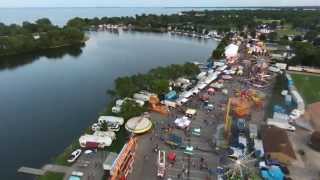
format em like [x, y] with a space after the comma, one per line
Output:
[276, 140]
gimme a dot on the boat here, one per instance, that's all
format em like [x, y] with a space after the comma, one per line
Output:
[74, 155]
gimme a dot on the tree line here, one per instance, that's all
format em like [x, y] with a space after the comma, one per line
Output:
[156, 80]
[221, 20]
[43, 34]
[30, 37]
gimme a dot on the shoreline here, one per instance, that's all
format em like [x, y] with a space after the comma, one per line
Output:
[44, 49]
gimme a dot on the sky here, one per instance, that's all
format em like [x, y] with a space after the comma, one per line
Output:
[155, 3]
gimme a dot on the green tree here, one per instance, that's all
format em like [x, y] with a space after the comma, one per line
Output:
[78, 23]
[273, 36]
[311, 35]
[131, 109]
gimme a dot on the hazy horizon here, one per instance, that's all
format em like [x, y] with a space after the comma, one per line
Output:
[156, 3]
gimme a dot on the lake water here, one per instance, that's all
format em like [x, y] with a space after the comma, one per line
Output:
[48, 99]
[60, 16]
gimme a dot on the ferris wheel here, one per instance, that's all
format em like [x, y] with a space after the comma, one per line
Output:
[238, 169]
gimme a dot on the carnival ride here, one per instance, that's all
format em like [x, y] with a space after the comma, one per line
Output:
[124, 162]
[156, 106]
[241, 105]
[138, 125]
[239, 168]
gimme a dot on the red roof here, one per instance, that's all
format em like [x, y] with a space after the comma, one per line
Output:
[92, 145]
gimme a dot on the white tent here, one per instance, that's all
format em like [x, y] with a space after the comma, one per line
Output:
[201, 86]
[182, 122]
[231, 50]
[110, 134]
[186, 94]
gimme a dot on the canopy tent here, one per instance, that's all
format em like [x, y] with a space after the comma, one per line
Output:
[182, 122]
[226, 77]
[172, 95]
[231, 50]
[172, 156]
[196, 131]
[191, 112]
[195, 91]
[217, 85]
[201, 86]
[188, 150]
[273, 173]
[186, 94]
[211, 90]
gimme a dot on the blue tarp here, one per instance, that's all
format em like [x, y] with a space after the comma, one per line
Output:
[274, 173]
[290, 82]
[172, 95]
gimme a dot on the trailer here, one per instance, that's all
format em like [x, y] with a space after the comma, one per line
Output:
[161, 163]
[280, 124]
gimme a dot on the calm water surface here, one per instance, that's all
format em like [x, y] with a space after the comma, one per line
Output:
[48, 99]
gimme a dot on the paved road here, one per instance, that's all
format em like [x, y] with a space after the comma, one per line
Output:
[89, 164]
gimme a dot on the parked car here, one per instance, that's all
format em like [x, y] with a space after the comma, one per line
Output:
[74, 155]
[77, 173]
[115, 127]
[95, 127]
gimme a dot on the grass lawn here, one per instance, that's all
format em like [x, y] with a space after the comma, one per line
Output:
[51, 176]
[287, 30]
[308, 86]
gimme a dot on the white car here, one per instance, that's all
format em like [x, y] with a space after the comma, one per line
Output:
[95, 127]
[77, 173]
[115, 127]
[74, 155]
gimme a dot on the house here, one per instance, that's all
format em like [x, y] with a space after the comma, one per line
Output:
[277, 145]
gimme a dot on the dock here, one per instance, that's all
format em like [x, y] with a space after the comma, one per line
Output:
[33, 171]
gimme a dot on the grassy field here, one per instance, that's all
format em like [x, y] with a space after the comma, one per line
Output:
[308, 86]
[52, 176]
